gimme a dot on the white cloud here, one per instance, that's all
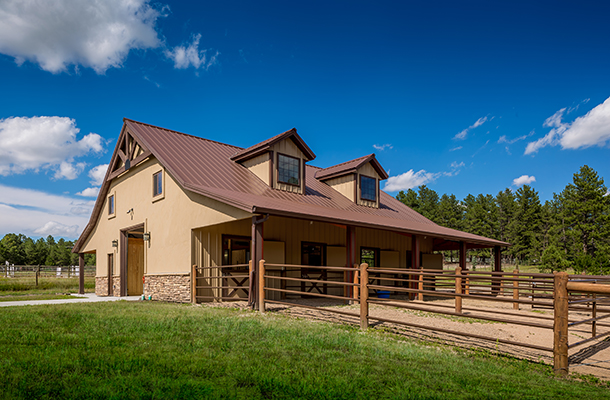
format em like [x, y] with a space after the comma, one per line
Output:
[409, 179]
[89, 192]
[456, 148]
[462, 135]
[455, 168]
[30, 212]
[184, 57]
[97, 174]
[44, 142]
[94, 34]
[57, 229]
[383, 147]
[523, 180]
[69, 171]
[592, 129]
[504, 139]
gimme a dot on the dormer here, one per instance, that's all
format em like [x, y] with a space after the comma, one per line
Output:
[358, 179]
[279, 161]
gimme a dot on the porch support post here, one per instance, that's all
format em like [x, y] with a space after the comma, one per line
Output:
[463, 255]
[81, 273]
[256, 253]
[350, 257]
[415, 263]
[495, 288]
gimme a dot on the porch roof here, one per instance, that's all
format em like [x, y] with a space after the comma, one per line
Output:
[203, 166]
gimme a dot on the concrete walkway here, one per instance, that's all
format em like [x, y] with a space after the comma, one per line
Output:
[78, 298]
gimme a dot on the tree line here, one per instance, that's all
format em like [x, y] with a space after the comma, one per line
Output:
[21, 250]
[570, 231]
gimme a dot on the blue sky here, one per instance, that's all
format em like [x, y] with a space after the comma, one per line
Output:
[467, 98]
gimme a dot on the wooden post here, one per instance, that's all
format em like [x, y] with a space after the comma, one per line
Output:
[250, 284]
[420, 295]
[81, 273]
[350, 257]
[515, 289]
[495, 286]
[458, 290]
[560, 325]
[37, 273]
[364, 296]
[415, 262]
[194, 284]
[261, 286]
[594, 315]
[356, 281]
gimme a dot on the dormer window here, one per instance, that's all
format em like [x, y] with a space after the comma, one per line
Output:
[368, 188]
[288, 169]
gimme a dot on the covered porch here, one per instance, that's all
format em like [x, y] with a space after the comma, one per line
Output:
[222, 254]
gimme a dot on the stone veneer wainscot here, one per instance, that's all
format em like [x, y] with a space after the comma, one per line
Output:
[176, 288]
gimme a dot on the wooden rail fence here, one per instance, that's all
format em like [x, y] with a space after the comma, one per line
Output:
[285, 284]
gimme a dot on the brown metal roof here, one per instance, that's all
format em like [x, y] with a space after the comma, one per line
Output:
[259, 148]
[205, 167]
[351, 166]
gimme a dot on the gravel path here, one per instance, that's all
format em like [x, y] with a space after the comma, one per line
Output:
[592, 358]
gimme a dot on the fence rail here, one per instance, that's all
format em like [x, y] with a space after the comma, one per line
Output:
[285, 284]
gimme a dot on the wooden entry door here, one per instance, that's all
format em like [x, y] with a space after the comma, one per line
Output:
[135, 266]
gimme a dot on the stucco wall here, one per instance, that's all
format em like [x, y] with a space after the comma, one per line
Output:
[169, 220]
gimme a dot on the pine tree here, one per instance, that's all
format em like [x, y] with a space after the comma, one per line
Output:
[409, 199]
[587, 215]
[526, 225]
[428, 203]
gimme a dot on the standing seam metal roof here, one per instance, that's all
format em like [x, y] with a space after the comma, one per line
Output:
[204, 166]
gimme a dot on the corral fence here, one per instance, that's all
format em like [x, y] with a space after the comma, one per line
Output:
[44, 271]
[569, 296]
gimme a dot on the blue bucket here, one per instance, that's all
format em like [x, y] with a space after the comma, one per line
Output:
[383, 294]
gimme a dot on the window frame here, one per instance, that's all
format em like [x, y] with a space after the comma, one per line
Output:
[374, 188]
[111, 199]
[376, 252]
[298, 184]
[160, 195]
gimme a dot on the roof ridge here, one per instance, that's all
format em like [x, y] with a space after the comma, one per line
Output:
[349, 161]
[182, 133]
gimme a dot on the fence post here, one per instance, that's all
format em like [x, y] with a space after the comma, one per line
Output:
[261, 286]
[250, 285]
[594, 315]
[420, 295]
[560, 325]
[515, 289]
[364, 296]
[458, 290]
[356, 280]
[37, 273]
[194, 284]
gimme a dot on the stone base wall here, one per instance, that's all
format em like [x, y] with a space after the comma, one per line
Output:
[116, 285]
[175, 288]
[101, 286]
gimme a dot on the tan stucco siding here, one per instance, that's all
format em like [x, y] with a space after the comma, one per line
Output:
[344, 185]
[169, 220]
[287, 147]
[259, 166]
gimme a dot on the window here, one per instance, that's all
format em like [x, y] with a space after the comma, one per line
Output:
[288, 169]
[158, 184]
[369, 256]
[368, 188]
[235, 250]
[111, 205]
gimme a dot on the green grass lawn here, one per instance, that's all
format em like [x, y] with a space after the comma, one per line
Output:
[46, 285]
[149, 350]
[30, 297]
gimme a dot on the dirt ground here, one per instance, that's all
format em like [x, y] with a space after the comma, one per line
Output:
[591, 358]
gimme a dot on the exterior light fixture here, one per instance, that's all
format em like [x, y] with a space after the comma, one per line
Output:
[146, 236]
[115, 243]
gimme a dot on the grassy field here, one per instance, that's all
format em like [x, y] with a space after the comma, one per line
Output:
[24, 288]
[148, 350]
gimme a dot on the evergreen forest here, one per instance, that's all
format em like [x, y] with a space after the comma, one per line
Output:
[570, 231]
[18, 249]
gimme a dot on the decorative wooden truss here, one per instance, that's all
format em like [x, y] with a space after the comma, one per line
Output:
[130, 152]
